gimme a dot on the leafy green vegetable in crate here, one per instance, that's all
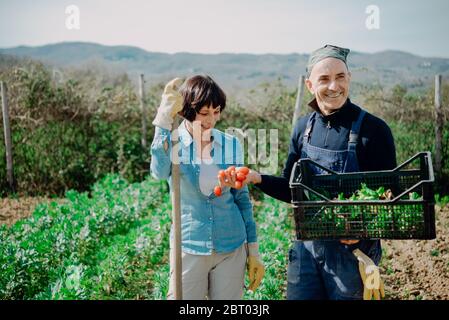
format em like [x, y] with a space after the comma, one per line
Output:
[366, 193]
[378, 219]
[408, 217]
[414, 196]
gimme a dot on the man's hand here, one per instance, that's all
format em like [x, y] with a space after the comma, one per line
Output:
[369, 272]
[171, 104]
[349, 242]
[253, 177]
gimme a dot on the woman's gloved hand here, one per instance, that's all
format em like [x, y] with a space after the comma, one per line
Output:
[256, 269]
[373, 284]
[171, 104]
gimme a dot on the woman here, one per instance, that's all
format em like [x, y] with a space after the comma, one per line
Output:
[218, 232]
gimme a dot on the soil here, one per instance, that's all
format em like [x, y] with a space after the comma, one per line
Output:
[12, 210]
[418, 269]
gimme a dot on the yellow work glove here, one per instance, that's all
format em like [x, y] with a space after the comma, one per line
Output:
[372, 283]
[256, 270]
[171, 104]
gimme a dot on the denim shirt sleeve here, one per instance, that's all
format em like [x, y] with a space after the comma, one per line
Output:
[160, 166]
[242, 199]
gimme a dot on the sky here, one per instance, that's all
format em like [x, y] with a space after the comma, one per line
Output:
[232, 26]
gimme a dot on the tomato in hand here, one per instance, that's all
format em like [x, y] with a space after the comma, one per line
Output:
[231, 168]
[241, 176]
[221, 174]
[238, 184]
[243, 170]
[217, 191]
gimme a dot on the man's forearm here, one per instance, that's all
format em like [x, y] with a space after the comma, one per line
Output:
[276, 187]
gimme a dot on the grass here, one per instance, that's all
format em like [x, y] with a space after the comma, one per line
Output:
[434, 252]
[275, 233]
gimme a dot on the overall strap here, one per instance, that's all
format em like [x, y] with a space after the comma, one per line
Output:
[309, 127]
[355, 130]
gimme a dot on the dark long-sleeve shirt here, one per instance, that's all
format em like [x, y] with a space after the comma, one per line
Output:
[375, 149]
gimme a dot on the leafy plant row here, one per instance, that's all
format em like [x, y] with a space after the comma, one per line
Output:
[63, 250]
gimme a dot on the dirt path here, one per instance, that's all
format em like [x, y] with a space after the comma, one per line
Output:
[418, 269]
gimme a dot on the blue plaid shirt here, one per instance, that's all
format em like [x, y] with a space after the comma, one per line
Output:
[208, 222]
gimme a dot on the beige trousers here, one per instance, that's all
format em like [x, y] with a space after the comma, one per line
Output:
[213, 277]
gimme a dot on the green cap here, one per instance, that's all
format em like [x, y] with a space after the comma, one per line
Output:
[328, 51]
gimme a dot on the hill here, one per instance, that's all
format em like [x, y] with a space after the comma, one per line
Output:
[235, 71]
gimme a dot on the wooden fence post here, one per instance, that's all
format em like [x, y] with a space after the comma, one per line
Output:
[144, 111]
[439, 126]
[8, 143]
[298, 103]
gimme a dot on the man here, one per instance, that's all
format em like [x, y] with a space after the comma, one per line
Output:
[329, 269]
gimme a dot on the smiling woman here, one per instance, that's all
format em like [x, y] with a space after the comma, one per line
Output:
[199, 94]
[203, 102]
[218, 230]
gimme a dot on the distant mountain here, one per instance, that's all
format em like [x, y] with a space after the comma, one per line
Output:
[235, 71]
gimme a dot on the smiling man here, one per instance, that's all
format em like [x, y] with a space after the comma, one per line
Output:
[328, 78]
[342, 137]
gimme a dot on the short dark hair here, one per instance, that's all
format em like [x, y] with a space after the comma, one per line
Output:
[199, 91]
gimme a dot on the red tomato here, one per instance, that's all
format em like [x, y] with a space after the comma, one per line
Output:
[238, 184]
[230, 169]
[241, 176]
[217, 191]
[221, 174]
[243, 170]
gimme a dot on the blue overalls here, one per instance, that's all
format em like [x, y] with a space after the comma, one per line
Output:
[321, 270]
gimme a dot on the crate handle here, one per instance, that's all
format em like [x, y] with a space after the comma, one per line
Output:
[299, 183]
[425, 156]
[315, 192]
[429, 163]
[398, 197]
